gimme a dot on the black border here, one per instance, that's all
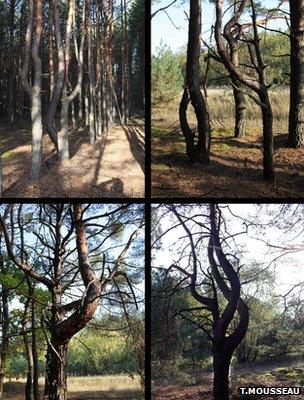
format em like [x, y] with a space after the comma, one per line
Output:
[147, 100]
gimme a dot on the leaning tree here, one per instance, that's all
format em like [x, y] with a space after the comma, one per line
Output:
[81, 254]
[210, 272]
[256, 82]
[197, 149]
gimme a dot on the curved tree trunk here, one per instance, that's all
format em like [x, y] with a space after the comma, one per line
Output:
[239, 98]
[296, 112]
[188, 135]
[198, 101]
[63, 136]
[62, 330]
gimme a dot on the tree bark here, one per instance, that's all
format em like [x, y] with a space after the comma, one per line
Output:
[63, 139]
[202, 147]
[188, 135]
[259, 85]
[221, 367]
[56, 369]
[36, 111]
[11, 69]
[5, 337]
[91, 83]
[296, 111]
[62, 330]
[239, 97]
[267, 117]
[34, 341]
[28, 351]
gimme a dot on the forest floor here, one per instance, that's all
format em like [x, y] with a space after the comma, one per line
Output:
[235, 168]
[201, 389]
[112, 167]
[111, 387]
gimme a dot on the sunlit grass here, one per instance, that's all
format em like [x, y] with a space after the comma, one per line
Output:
[103, 383]
[221, 108]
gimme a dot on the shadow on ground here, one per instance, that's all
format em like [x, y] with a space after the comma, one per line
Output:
[15, 391]
[91, 171]
[136, 142]
[235, 168]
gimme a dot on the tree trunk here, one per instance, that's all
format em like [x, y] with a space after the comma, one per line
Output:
[28, 351]
[296, 112]
[188, 135]
[91, 82]
[34, 342]
[86, 106]
[198, 101]
[56, 93]
[36, 112]
[267, 118]
[240, 110]
[221, 366]
[63, 136]
[239, 98]
[11, 69]
[56, 370]
[5, 337]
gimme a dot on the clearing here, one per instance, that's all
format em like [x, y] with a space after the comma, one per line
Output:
[110, 387]
[112, 167]
[255, 375]
[235, 168]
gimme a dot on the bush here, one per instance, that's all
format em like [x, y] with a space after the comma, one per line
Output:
[166, 75]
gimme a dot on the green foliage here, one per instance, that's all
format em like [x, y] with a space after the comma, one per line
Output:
[166, 75]
[293, 374]
[177, 345]
[100, 352]
[275, 49]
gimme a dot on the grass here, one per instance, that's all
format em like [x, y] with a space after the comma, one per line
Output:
[103, 383]
[114, 387]
[235, 169]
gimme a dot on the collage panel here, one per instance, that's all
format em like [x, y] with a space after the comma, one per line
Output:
[227, 281]
[227, 99]
[72, 98]
[72, 301]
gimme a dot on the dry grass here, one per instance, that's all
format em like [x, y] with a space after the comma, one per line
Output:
[103, 383]
[235, 169]
[108, 387]
[221, 108]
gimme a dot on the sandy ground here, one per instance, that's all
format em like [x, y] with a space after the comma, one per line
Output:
[112, 167]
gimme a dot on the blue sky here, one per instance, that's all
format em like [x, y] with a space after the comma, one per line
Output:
[163, 29]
